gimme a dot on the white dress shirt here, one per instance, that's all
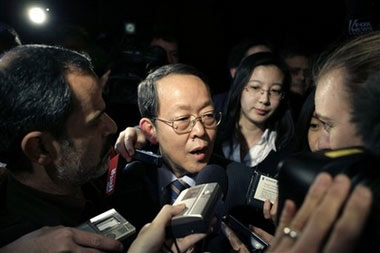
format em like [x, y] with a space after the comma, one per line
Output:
[257, 153]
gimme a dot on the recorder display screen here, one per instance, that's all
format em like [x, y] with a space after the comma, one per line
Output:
[108, 223]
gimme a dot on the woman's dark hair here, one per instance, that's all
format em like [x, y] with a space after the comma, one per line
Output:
[281, 121]
[303, 122]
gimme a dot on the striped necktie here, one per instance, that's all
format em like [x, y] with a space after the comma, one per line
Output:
[176, 187]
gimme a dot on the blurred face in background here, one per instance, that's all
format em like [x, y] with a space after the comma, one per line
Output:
[300, 71]
[171, 49]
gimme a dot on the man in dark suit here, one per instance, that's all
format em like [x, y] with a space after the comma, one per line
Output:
[178, 115]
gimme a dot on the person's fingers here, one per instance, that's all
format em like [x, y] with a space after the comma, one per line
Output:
[85, 250]
[267, 208]
[262, 233]
[234, 240]
[129, 144]
[48, 229]
[315, 194]
[273, 210]
[324, 215]
[189, 241]
[120, 147]
[93, 240]
[350, 224]
[141, 139]
[287, 214]
[166, 213]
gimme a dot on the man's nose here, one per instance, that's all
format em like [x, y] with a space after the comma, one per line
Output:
[110, 125]
[198, 128]
[323, 142]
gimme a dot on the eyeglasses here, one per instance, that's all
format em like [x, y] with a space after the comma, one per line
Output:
[185, 124]
[257, 90]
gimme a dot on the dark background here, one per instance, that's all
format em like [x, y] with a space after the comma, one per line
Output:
[206, 29]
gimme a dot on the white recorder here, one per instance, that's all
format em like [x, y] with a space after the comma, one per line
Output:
[110, 224]
[201, 202]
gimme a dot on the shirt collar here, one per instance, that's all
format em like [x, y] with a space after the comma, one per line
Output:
[269, 137]
[166, 176]
[256, 153]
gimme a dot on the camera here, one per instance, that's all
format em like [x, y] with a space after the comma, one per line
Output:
[297, 173]
[131, 66]
[131, 63]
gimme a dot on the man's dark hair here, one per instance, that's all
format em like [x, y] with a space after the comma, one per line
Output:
[238, 52]
[147, 93]
[35, 96]
[166, 36]
[165, 33]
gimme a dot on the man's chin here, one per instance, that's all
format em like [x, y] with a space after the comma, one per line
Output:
[103, 167]
[196, 168]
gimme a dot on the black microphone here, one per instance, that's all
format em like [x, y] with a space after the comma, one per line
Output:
[213, 173]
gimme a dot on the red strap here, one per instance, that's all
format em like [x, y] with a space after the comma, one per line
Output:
[111, 177]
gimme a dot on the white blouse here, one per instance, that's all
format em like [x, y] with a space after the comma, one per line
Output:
[257, 153]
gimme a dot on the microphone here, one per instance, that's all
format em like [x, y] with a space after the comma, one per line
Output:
[202, 202]
[213, 173]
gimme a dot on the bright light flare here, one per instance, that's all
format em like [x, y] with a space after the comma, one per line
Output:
[37, 15]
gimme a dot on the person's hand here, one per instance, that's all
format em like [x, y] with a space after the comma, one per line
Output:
[152, 236]
[270, 210]
[262, 233]
[305, 230]
[128, 140]
[236, 244]
[62, 239]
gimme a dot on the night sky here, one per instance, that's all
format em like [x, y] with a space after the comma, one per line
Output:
[206, 29]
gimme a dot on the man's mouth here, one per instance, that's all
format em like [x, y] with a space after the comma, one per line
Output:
[199, 153]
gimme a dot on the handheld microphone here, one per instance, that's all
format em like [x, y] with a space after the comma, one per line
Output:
[213, 173]
[201, 203]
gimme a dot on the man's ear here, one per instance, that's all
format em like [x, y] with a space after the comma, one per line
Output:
[39, 147]
[149, 130]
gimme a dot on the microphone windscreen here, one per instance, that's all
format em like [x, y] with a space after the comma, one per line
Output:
[213, 173]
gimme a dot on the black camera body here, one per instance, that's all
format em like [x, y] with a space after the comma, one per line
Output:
[297, 173]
